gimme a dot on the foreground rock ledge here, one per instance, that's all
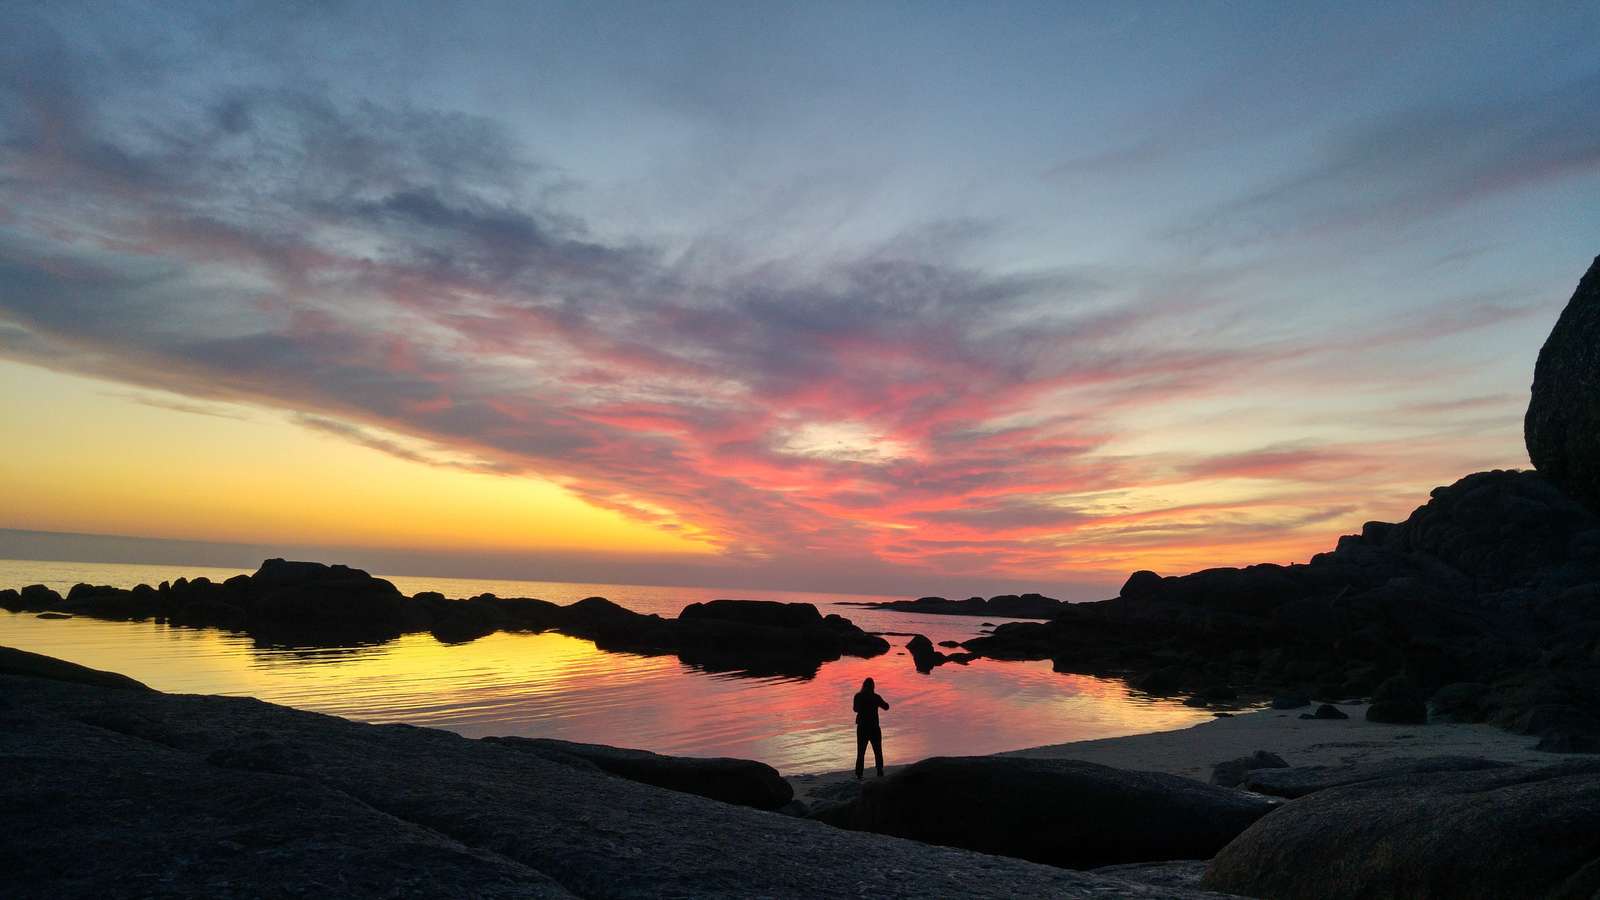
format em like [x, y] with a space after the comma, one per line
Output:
[111, 791]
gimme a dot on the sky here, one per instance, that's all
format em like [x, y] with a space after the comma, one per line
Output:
[878, 297]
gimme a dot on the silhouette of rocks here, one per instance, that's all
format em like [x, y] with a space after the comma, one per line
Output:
[1562, 426]
[1461, 701]
[1515, 832]
[310, 604]
[1326, 711]
[923, 656]
[1010, 606]
[1290, 701]
[112, 792]
[1398, 702]
[21, 662]
[744, 782]
[1495, 580]
[1232, 773]
[1061, 812]
[1298, 781]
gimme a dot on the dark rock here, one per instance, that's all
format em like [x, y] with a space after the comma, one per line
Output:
[923, 656]
[304, 604]
[53, 615]
[1290, 701]
[187, 797]
[1184, 874]
[37, 598]
[1060, 812]
[1517, 832]
[1461, 701]
[949, 643]
[1496, 580]
[1561, 728]
[34, 665]
[1232, 773]
[1012, 606]
[1398, 701]
[1161, 682]
[1141, 585]
[1562, 426]
[1302, 780]
[743, 782]
[1326, 711]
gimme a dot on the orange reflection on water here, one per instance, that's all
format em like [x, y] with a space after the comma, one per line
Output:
[550, 685]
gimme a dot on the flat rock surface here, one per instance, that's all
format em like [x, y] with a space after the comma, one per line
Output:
[113, 792]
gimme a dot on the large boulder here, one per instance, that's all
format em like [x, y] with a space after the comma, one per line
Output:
[923, 656]
[744, 782]
[1231, 772]
[308, 601]
[1056, 811]
[1518, 832]
[1562, 427]
[1398, 701]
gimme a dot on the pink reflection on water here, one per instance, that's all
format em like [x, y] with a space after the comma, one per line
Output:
[550, 685]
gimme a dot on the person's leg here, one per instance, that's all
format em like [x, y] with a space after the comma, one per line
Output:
[861, 750]
[877, 750]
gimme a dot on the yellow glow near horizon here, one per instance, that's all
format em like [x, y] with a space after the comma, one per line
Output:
[83, 455]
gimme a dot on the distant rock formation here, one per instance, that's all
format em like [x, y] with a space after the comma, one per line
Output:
[1010, 606]
[1496, 580]
[1562, 427]
[310, 604]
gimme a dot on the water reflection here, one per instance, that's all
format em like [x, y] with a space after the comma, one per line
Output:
[550, 685]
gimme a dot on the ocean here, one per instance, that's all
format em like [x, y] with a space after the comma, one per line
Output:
[551, 685]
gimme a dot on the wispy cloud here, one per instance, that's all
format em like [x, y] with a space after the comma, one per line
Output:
[403, 278]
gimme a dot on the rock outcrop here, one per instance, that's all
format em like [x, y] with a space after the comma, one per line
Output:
[1055, 811]
[744, 782]
[1562, 427]
[21, 662]
[115, 792]
[1496, 580]
[1514, 832]
[1009, 606]
[310, 604]
[1234, 771]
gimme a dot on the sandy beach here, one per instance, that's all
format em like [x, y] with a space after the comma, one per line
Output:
[1193, 751]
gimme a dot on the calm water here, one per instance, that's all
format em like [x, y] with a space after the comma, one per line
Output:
[550, 685]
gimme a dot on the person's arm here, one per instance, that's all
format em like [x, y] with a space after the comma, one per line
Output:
[883, 703]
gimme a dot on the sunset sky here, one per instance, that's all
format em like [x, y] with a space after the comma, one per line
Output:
[902, 298]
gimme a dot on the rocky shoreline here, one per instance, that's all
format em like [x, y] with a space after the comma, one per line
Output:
[1003, 606]
[113, 789]
[311, 604]
[1484, 605]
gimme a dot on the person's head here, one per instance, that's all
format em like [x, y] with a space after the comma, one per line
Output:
[867, 686]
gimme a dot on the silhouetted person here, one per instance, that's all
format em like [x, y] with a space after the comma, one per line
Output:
[867, 703]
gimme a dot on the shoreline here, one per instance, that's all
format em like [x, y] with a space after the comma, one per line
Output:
[1193, 751]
